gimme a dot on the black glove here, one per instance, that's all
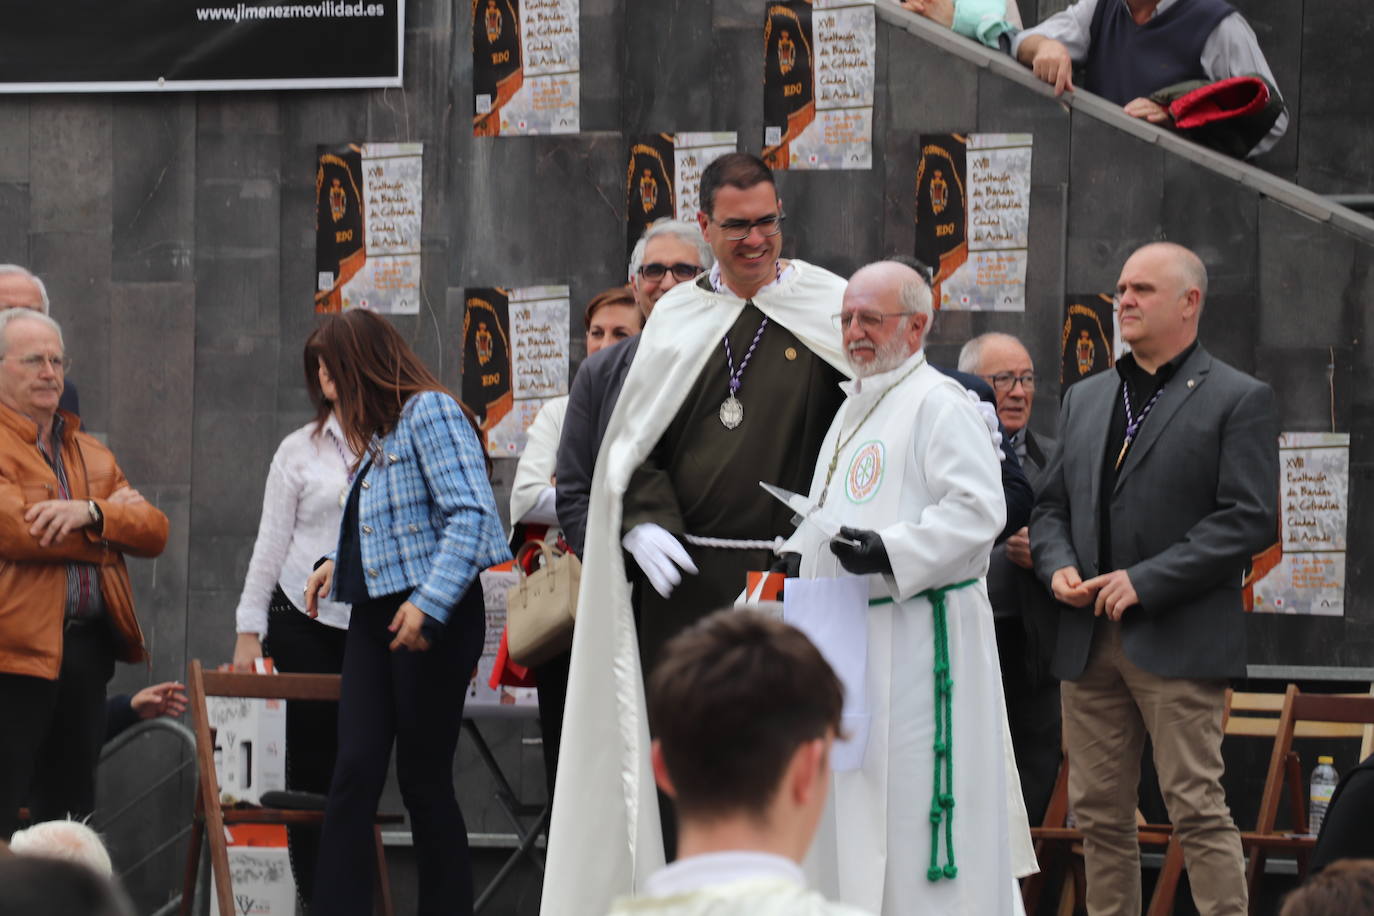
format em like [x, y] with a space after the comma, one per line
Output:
[788, 563]
[869, 557]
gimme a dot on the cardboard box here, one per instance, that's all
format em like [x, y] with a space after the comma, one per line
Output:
[250, 745]
[762, 593]
[259, 872]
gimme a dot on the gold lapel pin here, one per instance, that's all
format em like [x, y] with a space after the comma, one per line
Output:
[790, 353]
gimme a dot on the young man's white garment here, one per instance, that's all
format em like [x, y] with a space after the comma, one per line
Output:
[730, 884]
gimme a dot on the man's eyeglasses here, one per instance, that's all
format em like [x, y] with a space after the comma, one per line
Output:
[35, 362]
[868, 321]
[1003, 382]
[681, 272]
[737, 230]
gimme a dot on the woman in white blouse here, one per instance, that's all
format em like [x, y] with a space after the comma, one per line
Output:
[611, 316]
[306, 487]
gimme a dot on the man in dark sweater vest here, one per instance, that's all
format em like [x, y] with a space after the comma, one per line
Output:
[1132, 49]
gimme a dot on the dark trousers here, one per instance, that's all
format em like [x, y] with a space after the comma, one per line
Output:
[301, 645]
[52, 731]
[552, 680]
[414, 699]
[1032, 714]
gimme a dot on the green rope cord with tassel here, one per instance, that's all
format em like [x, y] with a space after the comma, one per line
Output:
[942, 791]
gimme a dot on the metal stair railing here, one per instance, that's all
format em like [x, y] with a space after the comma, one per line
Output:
[1332, 209]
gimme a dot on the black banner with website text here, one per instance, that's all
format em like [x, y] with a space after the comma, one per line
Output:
[77, 46]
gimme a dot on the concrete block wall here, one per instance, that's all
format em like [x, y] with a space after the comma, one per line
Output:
[176, 235]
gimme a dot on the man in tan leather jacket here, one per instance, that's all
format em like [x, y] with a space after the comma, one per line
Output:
[67, 517]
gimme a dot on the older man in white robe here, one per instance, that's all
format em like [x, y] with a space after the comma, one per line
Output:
[925, 823]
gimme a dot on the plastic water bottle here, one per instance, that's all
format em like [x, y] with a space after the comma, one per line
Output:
[1324, 779]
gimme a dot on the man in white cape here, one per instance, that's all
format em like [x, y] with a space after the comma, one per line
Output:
[605, 837]
[908, 479]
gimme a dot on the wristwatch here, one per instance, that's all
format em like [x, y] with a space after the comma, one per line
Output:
[97, 519]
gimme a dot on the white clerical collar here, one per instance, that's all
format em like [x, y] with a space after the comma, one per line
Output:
[881, 380]
[715, 868]
[783, 272]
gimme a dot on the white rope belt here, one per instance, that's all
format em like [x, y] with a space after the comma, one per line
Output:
[733, 544]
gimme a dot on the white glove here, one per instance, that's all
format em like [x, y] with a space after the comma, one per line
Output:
[659, 555]
[989, 415]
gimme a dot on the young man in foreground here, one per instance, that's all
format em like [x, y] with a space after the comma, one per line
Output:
[744, 710]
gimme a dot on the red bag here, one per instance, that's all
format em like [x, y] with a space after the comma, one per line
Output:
[509, 673]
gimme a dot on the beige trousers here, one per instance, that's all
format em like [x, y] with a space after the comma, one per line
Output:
[1107, 713]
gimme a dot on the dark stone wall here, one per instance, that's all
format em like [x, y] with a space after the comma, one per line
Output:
[176, 235]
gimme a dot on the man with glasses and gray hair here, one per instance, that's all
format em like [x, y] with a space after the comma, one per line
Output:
[67, 517]
[925, 818]
[1025, 617]
[671, 251]
[735, 382]
[21, 289]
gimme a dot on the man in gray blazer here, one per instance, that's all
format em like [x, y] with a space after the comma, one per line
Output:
[1164, 485]
[1025, 617]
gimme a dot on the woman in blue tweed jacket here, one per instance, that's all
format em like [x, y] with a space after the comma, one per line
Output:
[419, 525]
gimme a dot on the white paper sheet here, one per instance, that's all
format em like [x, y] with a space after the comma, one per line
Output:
[833, 613]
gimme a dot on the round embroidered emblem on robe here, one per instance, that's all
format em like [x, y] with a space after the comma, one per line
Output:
[865, 473]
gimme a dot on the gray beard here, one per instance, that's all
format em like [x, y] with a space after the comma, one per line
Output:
[886, 356]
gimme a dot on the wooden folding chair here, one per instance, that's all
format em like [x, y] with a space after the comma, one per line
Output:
[211, 816]
[1051, 853]
[1304, 715]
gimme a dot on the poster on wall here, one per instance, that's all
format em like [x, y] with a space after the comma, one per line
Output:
[367, 227]
[1314, 490]
[515, 359]
[1087, 342]
[663, 179]
[973, 218]
[198, 45]
[525, 67]
[818, 79]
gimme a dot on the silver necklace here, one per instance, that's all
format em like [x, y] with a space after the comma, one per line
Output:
[731, 410]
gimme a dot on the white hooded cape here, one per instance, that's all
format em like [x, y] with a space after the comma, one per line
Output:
[605, 838]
